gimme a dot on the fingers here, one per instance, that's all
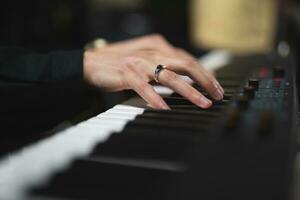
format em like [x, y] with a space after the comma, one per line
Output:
[171, 79]
[138, 80]
[146, 91]
[193, 64]
[207, 82]
[147, 62]
[210, 75]
[193, 69]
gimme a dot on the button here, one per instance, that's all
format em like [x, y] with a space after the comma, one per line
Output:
[278, 72]
[253, 82]
[249, 91]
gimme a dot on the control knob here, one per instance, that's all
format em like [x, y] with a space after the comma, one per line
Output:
[253, 82]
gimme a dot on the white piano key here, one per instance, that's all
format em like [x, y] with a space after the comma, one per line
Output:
[216, 59]
[127, 107]
[163, 90]
[58, 151]
[127, 110]
[115, 115]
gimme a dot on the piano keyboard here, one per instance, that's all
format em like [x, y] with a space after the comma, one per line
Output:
[241, 148]
[33, 165]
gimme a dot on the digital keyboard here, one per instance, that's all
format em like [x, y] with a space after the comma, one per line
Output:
[244, 147]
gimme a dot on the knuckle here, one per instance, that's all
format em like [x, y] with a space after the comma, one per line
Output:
[209, 85]
[156, 56]
[131, 61]
[170, 76]
[189, 63]
[153, 54]
[121, 71]
[190, 69]
[123, 83]
[142, 87]
[128, 76]
[210, 76]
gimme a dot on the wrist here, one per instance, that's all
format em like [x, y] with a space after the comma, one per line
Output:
[87, 63]
[88, 57]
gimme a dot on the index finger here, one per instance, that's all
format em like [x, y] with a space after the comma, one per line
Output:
[194, 70]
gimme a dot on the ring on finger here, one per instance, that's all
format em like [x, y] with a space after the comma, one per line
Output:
[157, 71]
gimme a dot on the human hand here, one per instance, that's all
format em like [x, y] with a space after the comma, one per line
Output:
[131, 64]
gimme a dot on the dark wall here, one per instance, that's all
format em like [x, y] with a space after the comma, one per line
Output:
[54, 24]
[42, 24]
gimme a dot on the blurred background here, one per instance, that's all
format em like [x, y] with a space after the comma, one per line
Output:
[241, 26]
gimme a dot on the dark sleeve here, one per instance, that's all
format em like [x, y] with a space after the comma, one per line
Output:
[25, 66]
[39, 91]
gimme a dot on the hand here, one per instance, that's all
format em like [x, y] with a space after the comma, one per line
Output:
[131, 64]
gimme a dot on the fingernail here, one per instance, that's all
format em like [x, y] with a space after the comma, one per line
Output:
[204, 102]
[217, 85]
[221, 88]
[218, 94]
[165, 107]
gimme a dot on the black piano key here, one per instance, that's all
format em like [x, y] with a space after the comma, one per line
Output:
[227, 95]
[230, 90]
[184, 101]
[233, 73]
[167, 124]
[187, 113]
[139, 146]
[177, 101]
[222, 102]
[170, 117]
[230, 83]
[158, 131]
[91, 179]
[217, 108]
[229, 76]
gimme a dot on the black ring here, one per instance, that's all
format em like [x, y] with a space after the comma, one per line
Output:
[158, 69]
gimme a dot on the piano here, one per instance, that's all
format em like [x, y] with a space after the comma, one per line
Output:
[244, 147]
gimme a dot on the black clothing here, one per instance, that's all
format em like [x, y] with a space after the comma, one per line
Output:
[38, 91]
[22, 66]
